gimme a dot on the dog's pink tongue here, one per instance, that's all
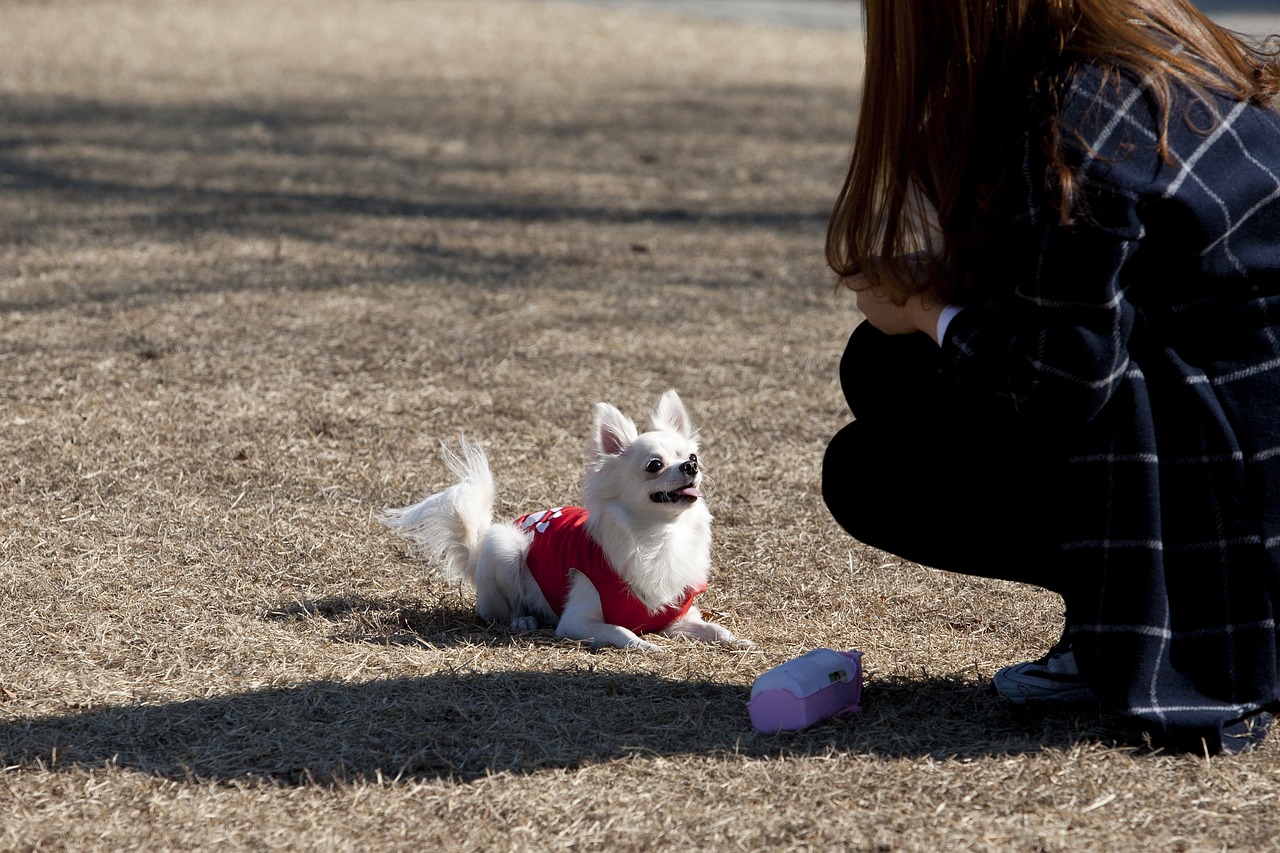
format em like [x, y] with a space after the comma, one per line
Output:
[690, 492]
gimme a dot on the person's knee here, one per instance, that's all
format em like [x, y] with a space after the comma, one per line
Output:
[843, 485]
[889, 375]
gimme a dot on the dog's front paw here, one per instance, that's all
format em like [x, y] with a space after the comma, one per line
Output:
[706, 632]
[524, 623]
[637, 645]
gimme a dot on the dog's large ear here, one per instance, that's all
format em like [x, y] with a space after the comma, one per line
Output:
[614, 431]
[671, 415]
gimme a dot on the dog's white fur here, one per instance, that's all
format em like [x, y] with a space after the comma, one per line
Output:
[659, 548]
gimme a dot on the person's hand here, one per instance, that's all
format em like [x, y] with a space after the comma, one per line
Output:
[919, 314]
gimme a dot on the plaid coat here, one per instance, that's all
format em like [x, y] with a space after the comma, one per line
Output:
[1146, 335]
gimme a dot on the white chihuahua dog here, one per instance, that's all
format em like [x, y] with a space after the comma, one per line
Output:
[629, 562]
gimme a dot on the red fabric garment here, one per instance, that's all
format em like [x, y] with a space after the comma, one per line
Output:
[559, 542]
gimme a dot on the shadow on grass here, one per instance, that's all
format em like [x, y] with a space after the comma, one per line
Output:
[323, 174]
[465, 725]
[382, 622]
[361, 619]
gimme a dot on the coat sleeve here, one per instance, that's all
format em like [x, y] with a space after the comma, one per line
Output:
[1052, 345]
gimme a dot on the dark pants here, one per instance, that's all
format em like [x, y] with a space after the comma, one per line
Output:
[934, 479]
[939, 481]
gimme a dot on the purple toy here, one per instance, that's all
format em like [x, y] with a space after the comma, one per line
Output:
[805, 690]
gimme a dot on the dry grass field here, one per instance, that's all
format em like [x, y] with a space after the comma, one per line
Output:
[258, 260]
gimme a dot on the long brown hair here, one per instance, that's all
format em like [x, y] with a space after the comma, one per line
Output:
[945, 97]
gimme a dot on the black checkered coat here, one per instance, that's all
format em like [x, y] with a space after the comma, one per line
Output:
[1146, 335]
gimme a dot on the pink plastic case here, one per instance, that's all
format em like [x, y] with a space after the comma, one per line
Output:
[817, 685]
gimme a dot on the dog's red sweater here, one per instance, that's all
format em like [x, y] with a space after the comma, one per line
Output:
[559, 542]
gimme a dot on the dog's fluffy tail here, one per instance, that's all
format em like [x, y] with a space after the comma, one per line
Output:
[446, 528]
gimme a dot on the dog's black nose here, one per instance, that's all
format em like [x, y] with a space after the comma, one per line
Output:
[689, 468]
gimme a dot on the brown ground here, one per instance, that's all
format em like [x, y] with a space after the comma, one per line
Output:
[258, 260]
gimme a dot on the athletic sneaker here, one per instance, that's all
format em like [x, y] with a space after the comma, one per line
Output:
[1053, 678]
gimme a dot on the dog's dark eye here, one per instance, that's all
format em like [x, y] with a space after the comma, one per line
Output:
[693, 457]
[654, 466]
